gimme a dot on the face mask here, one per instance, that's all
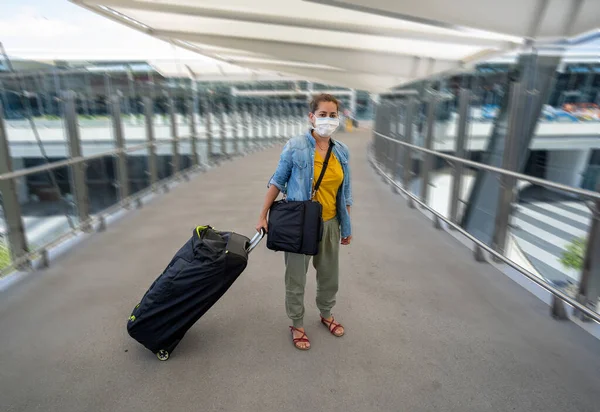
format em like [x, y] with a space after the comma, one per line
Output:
[325, 126]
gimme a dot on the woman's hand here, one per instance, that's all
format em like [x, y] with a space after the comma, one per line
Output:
[346, 240]
[270, 197]
[262, 224]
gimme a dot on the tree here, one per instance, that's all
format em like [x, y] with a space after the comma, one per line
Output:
[575, 254]
[4, 255]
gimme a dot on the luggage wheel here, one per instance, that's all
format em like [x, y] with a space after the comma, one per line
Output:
[162, 355]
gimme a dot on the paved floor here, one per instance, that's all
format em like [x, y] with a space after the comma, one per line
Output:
[427, 328]
[545, 224]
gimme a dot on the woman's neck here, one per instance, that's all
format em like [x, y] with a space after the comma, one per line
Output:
[320, 139]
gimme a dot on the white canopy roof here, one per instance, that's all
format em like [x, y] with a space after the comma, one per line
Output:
[212, 71]
[536, 19]
[354, 43]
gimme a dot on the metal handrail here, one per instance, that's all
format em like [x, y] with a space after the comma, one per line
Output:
[531, 276]
[76, 160]
[123, 203]
[542, 182]
[26, 258]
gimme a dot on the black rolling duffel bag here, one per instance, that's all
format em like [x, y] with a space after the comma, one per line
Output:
[197, 276]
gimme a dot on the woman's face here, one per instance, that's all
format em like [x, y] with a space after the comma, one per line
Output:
[325, 109]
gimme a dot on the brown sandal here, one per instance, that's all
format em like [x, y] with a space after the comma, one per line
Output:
[302, 338]
[335, 325]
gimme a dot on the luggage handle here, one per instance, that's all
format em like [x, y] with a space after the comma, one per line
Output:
[255, 240]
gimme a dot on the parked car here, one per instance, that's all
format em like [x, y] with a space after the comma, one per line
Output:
[489, 111]
[583, 111]
[552, 114]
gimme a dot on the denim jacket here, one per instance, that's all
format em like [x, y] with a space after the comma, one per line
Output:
[295, 173]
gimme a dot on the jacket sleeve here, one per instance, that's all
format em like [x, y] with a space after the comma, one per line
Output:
[348, 183]
[284, 169]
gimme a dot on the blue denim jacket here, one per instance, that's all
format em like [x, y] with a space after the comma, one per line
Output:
[295, 173]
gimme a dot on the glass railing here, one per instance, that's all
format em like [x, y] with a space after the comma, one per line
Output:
[541, 216]
[70, 159]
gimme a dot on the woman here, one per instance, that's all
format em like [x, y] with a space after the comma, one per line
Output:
[299, 167]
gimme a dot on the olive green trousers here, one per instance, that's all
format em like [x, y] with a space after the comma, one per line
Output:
[326, 262]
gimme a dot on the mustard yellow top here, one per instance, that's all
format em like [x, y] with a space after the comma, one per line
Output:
[332, 180]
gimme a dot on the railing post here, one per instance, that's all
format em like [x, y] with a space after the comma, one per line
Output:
[479, 255]
[283, 131]
[427, 157]
[408, 126]
[256, 124]
[174, 136]
[149, 115]
[206, 102]
[295, 119]
[290, 121]
[536, 72]
[389, 144]
[273, 115]
[266, 121]
[280, 120]
[272, 121]
[395, 118]
[386, 130]
[381, 122]
[193, 131]
[509, 162]
[17, 241]
[461, 138]
[222, 130]
[289, 113]
[301, 119]
[246, 125]
[78, 170]
[3, 98]
[377, 139]
[234, 126]
[397, 147]
[394, 147]
[122, 175]
[386, 143]
[589, 286]
[264, 115]
[285, 120]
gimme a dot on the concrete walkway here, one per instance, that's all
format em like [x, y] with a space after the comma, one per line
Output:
[428, 329]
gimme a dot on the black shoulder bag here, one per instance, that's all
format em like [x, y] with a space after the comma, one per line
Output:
[297, 226]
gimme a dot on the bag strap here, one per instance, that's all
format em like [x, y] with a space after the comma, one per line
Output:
[325, 163]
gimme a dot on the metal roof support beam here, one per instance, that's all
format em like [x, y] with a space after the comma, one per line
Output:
[574, 10]
[541, 9]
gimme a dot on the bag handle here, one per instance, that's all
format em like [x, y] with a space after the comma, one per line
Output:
[325, 163]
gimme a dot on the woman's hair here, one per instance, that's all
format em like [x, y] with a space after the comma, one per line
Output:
[323, 97]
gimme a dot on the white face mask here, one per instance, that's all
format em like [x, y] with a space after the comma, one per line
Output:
[325, 126]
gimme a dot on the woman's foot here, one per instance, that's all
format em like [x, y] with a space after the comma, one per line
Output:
[299, 338]
[335, 328]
